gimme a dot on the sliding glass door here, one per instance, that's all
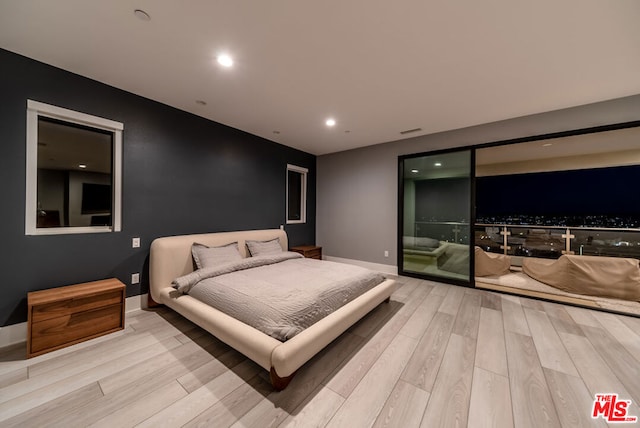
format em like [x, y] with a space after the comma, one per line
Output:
[436, 216]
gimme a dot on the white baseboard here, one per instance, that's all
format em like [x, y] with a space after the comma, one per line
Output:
[378, 267]
[135, 303]
[17, 333]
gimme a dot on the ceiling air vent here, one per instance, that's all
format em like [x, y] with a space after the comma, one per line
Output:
[409, 131]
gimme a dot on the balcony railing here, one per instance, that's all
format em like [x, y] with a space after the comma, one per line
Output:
[551, 241]
[447, 231]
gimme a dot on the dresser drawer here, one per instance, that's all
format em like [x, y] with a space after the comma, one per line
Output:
[77, 304]
[316, 253]
[68, 329]
[63, 316]
[309, 251]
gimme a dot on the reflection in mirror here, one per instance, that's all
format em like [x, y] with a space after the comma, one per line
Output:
[74, 172]
[296, 194]
[74, 175]
[564, 216]
[436, 212]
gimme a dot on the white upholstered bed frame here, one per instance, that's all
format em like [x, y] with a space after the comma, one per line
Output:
[171, 257]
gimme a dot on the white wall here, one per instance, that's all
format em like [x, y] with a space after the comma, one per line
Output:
[357, 190]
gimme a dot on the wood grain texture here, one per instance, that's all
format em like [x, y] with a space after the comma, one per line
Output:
[422, 368]
[139, 410]
[227, 411]
[492, 301]
[315, 411]
[385, 371]
[561, 319]
[573, 401]
[449, 402]
[513, 316]
[368, 398]
[621, 332]
[490, 400]
[452, 301]
[621, 362]
[63, 316]
[17, 375]
[418, 322]
[594, 370]
[530, 396]
[491, 353]
[468, 316]
[582, 316]
[404, 407]
[548, 344]
[182, 411]
[53, 412]
[345, 379]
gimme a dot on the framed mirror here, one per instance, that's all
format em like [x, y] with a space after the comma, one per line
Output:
[73, 172]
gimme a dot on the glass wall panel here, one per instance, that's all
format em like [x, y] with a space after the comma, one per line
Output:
[606, 242]
[561, 209]
[436, 213]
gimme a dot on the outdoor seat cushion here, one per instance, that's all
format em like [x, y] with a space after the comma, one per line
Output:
[491, 264]
[614, 277]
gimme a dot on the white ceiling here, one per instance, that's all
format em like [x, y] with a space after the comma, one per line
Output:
[377, 67]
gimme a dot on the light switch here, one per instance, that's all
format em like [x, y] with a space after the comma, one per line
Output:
[135, 243]
[135, 278]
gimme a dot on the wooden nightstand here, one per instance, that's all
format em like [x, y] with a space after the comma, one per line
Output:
[309, 251]
[63, 316]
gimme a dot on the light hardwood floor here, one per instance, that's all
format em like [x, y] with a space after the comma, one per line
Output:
[435, 356]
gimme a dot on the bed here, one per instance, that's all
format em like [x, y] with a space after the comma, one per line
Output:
[171, 258]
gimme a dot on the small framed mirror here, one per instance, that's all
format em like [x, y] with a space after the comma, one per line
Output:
[73, 172]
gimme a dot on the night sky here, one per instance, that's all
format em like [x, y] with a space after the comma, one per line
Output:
[602, 191]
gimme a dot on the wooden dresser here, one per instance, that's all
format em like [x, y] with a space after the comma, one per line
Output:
[63, 316]
[309, 251]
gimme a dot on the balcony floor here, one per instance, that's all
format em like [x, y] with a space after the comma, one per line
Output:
[520, 283]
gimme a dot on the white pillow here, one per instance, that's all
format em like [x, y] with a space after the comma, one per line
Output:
[264, 248]
[213, 256]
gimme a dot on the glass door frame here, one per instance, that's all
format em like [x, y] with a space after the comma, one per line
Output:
[470, 283]
[472, 218]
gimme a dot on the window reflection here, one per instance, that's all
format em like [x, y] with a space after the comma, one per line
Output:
[436, 211]
[75, 175]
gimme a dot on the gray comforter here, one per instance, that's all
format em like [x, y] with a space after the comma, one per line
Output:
[281, 294]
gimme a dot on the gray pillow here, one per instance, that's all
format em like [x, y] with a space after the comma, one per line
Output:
[214, 256]
[264, 248]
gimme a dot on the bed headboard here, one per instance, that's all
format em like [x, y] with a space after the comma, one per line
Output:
[171, 256]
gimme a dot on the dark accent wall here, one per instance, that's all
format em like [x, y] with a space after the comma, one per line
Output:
[182, 174]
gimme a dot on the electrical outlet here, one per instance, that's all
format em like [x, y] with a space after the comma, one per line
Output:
[386, 253]
[135, 243]
[135, 278]
[281, 227]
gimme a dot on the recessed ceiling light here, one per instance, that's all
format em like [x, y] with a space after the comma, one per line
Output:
[201, 102]
[415, 171]
[82, 166]
[142, 15]
[547, 144]
[437, 164]
[225, 60]
[331, 122]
